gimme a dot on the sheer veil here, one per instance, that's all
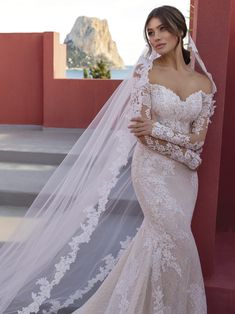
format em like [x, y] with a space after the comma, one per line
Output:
[85, 216]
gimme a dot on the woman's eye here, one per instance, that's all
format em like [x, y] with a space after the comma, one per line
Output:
[162, 28]
[150, 33]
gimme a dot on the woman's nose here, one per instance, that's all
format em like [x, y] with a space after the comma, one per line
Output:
[156, 36]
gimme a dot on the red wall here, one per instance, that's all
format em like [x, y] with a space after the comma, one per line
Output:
[226, 208]
[29, 93]
[21, 98]
[210, 32]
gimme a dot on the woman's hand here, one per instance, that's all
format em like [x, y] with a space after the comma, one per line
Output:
[141, 126]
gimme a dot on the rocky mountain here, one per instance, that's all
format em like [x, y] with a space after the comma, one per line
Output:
[90, 41]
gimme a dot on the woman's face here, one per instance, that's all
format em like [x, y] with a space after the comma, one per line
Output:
[158, 34]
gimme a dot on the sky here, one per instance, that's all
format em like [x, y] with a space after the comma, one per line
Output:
[125, 18]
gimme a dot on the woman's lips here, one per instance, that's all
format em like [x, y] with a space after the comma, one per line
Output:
[160, 46]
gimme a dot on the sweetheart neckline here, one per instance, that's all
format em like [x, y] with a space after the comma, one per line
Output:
[174, 93]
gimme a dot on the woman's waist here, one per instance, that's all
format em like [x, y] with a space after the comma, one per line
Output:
[147, 156]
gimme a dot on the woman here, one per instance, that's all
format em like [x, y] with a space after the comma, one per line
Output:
[91, 236]
[160, 272]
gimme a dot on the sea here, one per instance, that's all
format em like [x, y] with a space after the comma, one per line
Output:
[116, 74]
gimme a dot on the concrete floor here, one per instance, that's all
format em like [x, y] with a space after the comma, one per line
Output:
[28, 157]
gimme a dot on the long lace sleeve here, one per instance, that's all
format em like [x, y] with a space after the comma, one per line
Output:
[195, 139]
[186, 156]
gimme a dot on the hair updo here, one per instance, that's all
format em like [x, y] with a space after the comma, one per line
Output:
[175, 23]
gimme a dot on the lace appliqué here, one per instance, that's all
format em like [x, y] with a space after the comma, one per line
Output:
[188, 157]
[174, 130]
[205, 115]
[140, 94]
[158, 305]
[163, 259]
[162, 244]
[124, 285]
[165, 133]
[109, 262]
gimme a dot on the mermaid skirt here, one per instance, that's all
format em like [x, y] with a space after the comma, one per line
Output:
[160, 271]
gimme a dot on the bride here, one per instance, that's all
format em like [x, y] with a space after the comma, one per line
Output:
[111, 230]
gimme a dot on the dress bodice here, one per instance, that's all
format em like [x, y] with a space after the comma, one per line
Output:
[172, 111]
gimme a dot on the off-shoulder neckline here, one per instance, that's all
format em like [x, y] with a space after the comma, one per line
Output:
[174, 93]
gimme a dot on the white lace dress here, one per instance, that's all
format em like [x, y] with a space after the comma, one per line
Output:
[160, 271]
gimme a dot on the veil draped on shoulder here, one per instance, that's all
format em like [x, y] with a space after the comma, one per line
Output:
[85, 216]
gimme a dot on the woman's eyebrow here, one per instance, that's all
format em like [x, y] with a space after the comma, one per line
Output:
[156, 27]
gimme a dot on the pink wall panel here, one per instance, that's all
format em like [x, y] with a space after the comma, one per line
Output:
[226, 208]
[29, 93]
[74, 103]
[210, 32]
[21, 78]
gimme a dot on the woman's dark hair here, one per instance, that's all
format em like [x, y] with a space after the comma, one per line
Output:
[174, 21]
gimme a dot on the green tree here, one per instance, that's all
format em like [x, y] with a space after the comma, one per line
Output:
[100, 70]
[85, 73]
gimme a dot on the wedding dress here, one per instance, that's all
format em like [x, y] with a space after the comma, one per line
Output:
[128, 246]
[160, 270]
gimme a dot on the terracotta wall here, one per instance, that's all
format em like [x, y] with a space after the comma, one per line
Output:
[21, 75]
[210, 32]
[32, 93]
[226, 208]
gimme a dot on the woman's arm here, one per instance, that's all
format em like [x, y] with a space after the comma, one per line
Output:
[186, 156]
[194, 140]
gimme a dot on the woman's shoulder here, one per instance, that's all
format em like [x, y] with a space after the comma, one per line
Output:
[202, 82]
